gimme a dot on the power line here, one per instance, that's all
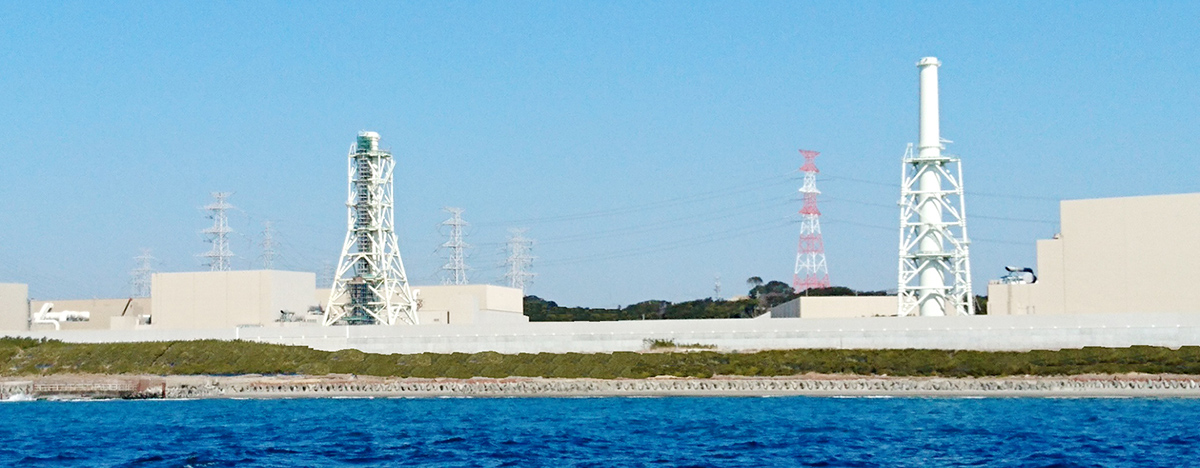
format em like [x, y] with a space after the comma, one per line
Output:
[893, 229]
[691, 220]
[703, 196]
[972, 192]
[666, 246]
[973, 216]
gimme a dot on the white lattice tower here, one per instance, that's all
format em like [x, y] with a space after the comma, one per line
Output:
[369, 284]
[219, 258]
[519, 261]
[456, 262]
[811, 271]
[935, 268]
[268, 246]
[140, 276]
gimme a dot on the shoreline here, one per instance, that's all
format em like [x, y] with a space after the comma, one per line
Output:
[178, 387]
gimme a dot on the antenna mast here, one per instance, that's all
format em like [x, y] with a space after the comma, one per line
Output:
[935, 267]
[219, 257]
[811, 271]
[369, 285]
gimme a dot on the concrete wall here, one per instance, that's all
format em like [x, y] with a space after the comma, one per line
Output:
[1135, 253]
[1114, 255]
[14, 307]
[1010, 299]
[224, 299]
[102, 311]
[471, 303]
[981, 332]
[837, 307]
[465, 304]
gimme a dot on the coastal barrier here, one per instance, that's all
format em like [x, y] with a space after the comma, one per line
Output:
[71, 387]
[979, 333]
[1182, 386]
[187, 387]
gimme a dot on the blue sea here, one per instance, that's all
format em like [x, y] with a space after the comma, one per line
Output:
[604, 432]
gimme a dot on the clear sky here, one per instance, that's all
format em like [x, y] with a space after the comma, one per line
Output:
[647, 146]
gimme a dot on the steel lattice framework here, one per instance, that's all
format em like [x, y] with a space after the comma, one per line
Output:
[268, 246]
[935, 268]
[456, 264]
[811, 271]
[219, 257]
[140, 284]
[370, 285]
[940, 249]
[520, 260]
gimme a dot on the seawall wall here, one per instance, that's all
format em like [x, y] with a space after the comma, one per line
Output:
[984, 333]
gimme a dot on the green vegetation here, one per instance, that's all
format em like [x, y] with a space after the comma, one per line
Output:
[671, 344]
[759, 299]
[34, 357]
[541, 310]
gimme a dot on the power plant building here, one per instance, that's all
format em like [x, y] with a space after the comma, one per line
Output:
[1113, 255]
[14, 306]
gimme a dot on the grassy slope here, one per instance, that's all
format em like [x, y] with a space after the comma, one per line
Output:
[32, 357]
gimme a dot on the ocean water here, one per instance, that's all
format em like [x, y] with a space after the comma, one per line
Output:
[604, 432]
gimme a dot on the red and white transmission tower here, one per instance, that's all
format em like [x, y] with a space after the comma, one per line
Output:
[811, 271]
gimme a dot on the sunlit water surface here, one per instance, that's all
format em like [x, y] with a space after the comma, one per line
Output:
[603, 432]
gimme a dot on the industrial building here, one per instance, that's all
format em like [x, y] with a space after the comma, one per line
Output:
[837, 307]
[215, 300]
[1113, 255]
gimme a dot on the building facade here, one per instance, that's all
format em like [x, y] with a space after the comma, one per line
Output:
[1113, 255]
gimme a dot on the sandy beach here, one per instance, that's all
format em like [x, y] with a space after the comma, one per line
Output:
[350, 386]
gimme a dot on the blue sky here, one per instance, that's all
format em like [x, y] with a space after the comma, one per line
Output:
[647, 146]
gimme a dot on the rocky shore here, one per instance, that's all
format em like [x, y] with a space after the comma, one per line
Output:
[253, 386]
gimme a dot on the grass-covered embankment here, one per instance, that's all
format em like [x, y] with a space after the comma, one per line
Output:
[34, 357]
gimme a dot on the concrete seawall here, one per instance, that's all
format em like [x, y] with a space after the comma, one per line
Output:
[984, 333]
[1092, 386]
[824, 385]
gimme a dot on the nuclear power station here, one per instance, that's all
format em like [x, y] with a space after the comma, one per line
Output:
[1119, 273]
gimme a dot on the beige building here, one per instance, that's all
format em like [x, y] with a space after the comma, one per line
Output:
[837, 307]
[463, 304]
[1114, 255]
[253, 298]
[227, 299]
[470, 304]
[103, 314]
[14, 307]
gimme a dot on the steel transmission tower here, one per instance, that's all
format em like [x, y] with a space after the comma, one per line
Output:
[456, 265]
[519, 261]
[268, 246]
[811, 271]
[369, 284]
[219, 257]
[140, 284]
[935, 268]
